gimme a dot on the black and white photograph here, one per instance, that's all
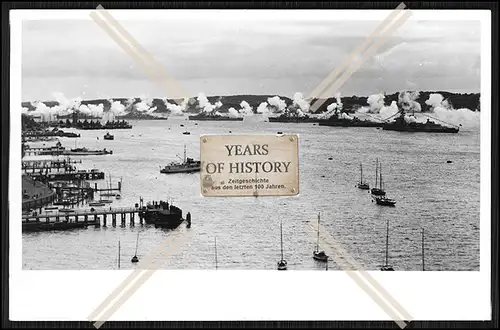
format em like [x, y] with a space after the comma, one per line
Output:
[112, 107]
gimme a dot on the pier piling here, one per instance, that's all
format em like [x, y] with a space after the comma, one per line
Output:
[104, 221]
[113, 217]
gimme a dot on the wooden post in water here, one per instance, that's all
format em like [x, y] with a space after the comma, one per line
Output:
[104, 221]
[113, 218]
[132, 221]
[123, 219]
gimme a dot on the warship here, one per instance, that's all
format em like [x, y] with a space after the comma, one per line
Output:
[401, 125]
[338, 120]
[211, 116]
[288, 118]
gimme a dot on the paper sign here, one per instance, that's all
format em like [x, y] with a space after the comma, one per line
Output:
[249, 165]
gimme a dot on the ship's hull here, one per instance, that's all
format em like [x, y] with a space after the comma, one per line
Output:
[180, 170]
[398, 128]
[292, 120]
[349, 123]
[162, 218]
[86, 153]
[214, 118]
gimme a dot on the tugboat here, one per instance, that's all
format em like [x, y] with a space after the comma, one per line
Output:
[186, 133]
[317, 254]
[401, 125]
[362, 185]
[189, 165]
[386, 266]
[282, 264]
[109, 136]
[378, 191]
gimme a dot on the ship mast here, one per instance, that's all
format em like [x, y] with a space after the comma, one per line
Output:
[387, 245]
[423, 259]
[184, 153]
[317, 243]
[281, 228]
[376, 174]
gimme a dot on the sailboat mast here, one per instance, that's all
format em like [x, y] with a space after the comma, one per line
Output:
[216, 253]
[118, 254]
[136, 243]
[184, 153]
[281, 229]
[381, 187]
[423, 256]
[376, 174]
[317, 243]
[387, 245]
[361, 167]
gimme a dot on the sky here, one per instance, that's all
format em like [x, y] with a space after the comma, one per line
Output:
[250, 56]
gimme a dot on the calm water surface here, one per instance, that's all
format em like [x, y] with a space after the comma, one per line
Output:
[442, 198]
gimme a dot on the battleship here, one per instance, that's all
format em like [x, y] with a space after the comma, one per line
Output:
[204, 116]
[188, 165]
[287, 118]
[337, 119]
[401, 125]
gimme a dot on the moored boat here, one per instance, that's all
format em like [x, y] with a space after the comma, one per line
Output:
[188, 165]
[317, 254]
[108, 136]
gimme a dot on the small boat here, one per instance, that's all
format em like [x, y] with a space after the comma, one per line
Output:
[386, 266]
[317, 254]
[118, 196]
[282, 264]
[109, 136]
[362, 185]
[384, 201]
[97, 204]
[66, 210]
[378, 191]
[186, 133]
[134, 258]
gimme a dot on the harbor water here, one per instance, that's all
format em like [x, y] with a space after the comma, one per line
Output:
[441, 197]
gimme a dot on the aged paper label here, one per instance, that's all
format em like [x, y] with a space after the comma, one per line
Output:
[249, 165]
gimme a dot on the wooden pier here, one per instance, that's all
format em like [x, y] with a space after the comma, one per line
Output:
[68, 176]
[97, 217]
[35, 165]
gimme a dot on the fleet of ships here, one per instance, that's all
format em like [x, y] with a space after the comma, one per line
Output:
[398, 123]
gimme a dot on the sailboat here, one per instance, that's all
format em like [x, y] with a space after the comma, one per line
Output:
[383, 200]
[386, 266]
[362, 185]
[377, 191]
[282, 264]
[134, 258]
[317, 254]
